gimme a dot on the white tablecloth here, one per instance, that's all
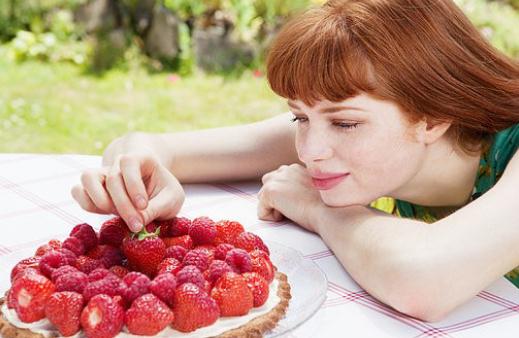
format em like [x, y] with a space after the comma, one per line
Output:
[36, 205]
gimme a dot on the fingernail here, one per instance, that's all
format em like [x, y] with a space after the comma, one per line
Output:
[141, 202]
[135, 224]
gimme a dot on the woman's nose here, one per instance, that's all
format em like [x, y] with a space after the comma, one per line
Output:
[314, 146]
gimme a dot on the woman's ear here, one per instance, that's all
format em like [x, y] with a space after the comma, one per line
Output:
[429, 132]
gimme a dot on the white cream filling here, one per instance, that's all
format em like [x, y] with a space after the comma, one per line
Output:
[45, 328]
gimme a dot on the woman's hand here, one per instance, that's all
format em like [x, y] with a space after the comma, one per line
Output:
[288, 192]
[136, 187]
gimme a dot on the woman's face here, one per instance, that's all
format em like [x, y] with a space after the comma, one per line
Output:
[366, 141]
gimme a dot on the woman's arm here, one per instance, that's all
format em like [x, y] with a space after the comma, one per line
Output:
[427, 270]
[229, 153]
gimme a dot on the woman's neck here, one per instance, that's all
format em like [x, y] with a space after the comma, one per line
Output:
[446, 178]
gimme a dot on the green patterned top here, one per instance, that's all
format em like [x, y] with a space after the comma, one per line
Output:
[491, 166]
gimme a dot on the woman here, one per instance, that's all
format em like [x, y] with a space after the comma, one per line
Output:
[399, 105]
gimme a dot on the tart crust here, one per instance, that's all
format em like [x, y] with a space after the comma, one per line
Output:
[254, 328]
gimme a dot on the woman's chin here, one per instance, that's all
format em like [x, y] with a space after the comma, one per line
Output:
[337, 201]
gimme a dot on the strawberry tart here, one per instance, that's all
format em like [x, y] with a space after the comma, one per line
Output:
[175, 278]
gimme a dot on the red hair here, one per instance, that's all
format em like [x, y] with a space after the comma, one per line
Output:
[424, 55]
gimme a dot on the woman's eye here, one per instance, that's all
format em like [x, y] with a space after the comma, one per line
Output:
[298, 119]
[343, 125]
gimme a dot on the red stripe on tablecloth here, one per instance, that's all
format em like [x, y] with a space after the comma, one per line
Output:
[497, 299]
[4, 250]
[319, 255]
[391, 313]
[477, 321]
[24, 212]
[235, 191]
[38, 201]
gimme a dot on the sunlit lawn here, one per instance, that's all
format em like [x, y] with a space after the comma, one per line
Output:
[55, 108]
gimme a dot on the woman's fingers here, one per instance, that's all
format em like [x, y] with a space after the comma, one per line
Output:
[165, 205]
[84, 200]
[94, 186]
[265, 211]
[133, 170]
[124, 206]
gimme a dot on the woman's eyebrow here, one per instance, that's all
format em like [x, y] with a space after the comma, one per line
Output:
[325, 110]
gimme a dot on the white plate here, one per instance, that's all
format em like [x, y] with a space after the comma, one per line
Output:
[308, 285]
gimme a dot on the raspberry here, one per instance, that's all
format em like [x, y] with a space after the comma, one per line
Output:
[250, 241]
[216, 270]
[63, 310]
[75, 245]
[176, 251]
[62, 270]
[72, 281]
[221, 251]
[197, 257]
[148, 315]
[54, 259]
[259, 287]
[107, 254]
[202, 230]
[179, 226]
[119, 271]
[137, 284]
[31, 262]
[87, 264]
[232, 295]
[98, 274]
[190, 274]
[113, 231]
[227, 231]
[164, 227]
[29, 294]
[86, 234]
[110, 285]
[102, 317]
[193, 308]
[186, 241]
[163, 286]
[239, 260]
[169, 265]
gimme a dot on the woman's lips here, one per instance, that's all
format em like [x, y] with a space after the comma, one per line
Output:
[328, 183]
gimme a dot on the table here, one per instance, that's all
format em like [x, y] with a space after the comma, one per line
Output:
[36, 206]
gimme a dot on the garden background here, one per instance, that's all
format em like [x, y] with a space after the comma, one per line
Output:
[75, 74]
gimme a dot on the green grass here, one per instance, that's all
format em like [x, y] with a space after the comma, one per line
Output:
[56, 108]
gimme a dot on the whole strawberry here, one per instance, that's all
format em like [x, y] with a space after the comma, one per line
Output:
[186, 241]
[259, 287]
[103, 317]
[249, 241]
[144, 251]
[227, 232]
[193, 308]
[31, 262]
[53, 244]
[63, 310]
[113, 231]
[232, 295]
[148, 315]
[29, 294]
[179, 226]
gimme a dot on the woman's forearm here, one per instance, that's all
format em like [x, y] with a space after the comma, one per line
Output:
[228, 153]
[384, 254]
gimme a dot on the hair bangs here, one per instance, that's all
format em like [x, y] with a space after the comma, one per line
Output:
[315, 57]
